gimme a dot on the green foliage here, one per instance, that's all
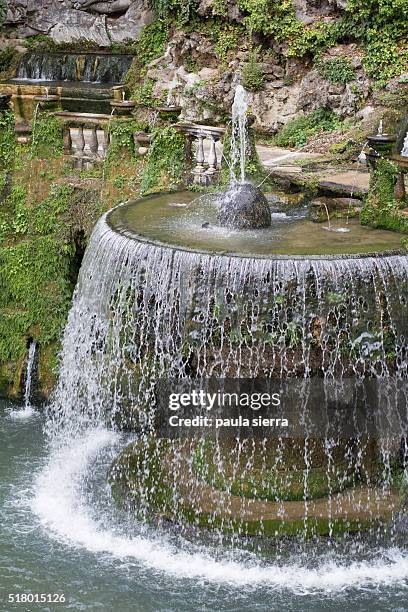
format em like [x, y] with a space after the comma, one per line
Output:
[47, 137]
[182, 10]
[121, 138]
[382, 26]
[264, 16]
[152, 41]
[3, 11]
[142, 93]
[219, 8]
[34, 270]
[253, 76]
[226, 40]
[166, 160]
[337, 70]
[7, 57]
[297, 132]
[381, 208]
[7, 140]
[312, 40]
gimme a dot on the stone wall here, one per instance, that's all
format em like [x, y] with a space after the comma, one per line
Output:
[65, 21]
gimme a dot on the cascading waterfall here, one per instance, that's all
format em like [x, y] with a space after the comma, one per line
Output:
[142, 312]
[89, 68]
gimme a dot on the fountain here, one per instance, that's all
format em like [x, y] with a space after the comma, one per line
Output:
[242, 206]
[32, 352]
[84, 82]
[170, 290]
[123, 107]
[381, 142]
[29, 374]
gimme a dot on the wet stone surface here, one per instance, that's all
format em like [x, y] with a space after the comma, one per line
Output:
[244, 206]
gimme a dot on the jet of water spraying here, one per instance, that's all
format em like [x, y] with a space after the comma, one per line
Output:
[239, 133]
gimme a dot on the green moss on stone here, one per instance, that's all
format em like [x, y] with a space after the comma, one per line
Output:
[381, 208]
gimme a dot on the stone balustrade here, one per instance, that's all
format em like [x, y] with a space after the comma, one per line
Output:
[202, 151]
[86, 137]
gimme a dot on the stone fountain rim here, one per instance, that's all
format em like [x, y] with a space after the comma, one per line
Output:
[131, 235]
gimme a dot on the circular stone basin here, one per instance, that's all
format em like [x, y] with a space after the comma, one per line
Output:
[184, 221]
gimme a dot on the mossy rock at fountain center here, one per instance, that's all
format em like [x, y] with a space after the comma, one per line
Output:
[156, 479]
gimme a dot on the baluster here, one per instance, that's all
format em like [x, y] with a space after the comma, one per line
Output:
[67, 141]
[212, 159]
[87, 139]
[81, 142]
[100, 137]
[199, 171]
[93, 142]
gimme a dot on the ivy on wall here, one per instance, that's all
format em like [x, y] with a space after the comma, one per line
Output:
[7, 146]
[47, 137]
[34, 269]
[381, 208]
[3, 11]
[380, 26]
[166, 160]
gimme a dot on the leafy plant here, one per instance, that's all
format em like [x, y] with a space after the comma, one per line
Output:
[253, 75]
[226, 40]
[7, 140]
[166, 160]
[152, 41]
[381, 208]
[7, 58]
[181, 9]
[47, 137]
[3, 11]
[337, 70]
[143, 93]
[297, 132]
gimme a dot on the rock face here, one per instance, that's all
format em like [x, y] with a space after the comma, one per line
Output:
[69, 21]
[244, 206]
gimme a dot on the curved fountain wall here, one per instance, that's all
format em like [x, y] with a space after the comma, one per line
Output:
[142, 311]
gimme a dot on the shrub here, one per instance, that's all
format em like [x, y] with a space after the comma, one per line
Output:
[298, 131]
[166, 160]
[3, 11]
[6, 59]
[337, 70]
[253, 76]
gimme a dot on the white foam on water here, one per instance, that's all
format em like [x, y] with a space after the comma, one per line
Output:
[22, 413]
[61, 506]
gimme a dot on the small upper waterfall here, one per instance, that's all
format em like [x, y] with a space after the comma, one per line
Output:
[29, 374]
[404, 150]
[85, 67]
